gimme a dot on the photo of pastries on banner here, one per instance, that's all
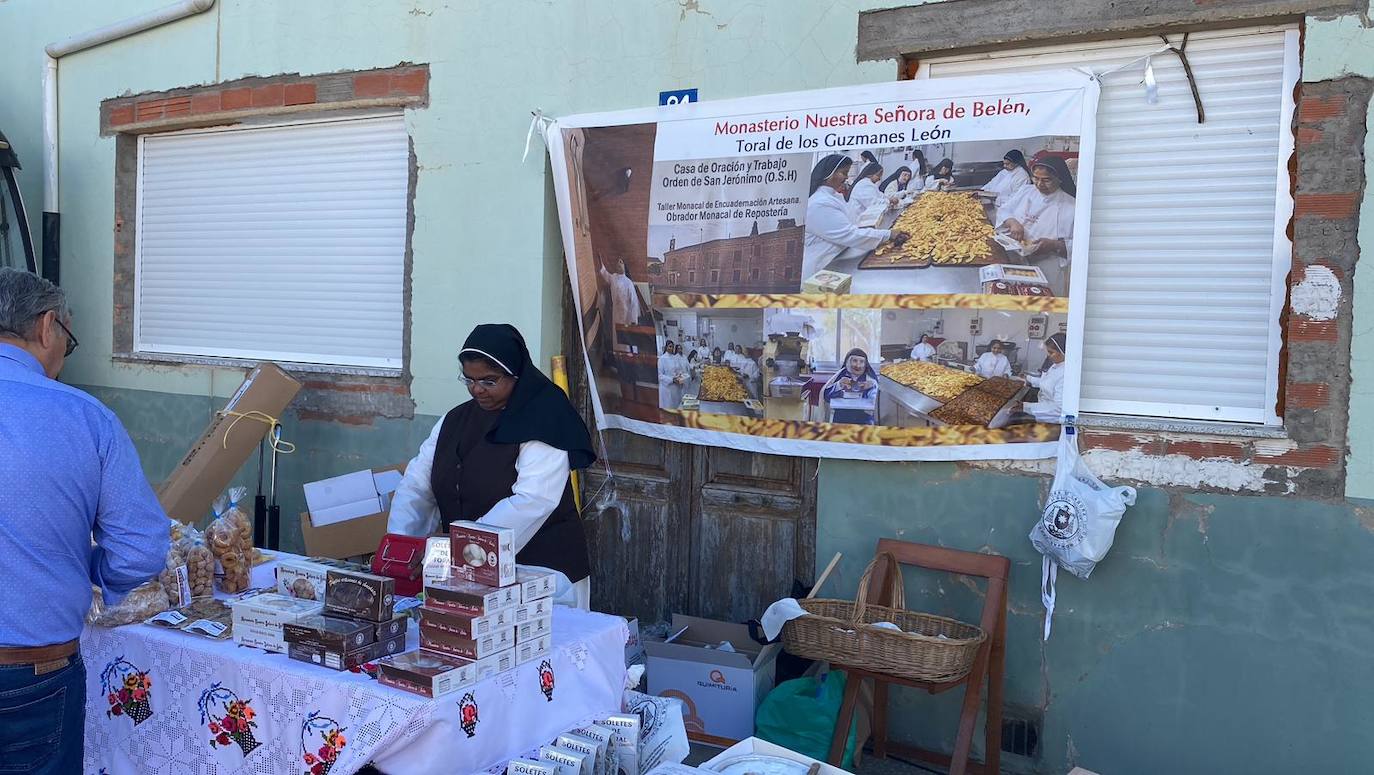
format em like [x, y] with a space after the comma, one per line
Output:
[711, 361]
[896, 368]
[965, 217]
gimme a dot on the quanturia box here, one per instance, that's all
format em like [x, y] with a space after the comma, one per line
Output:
[482, 553]
[722, 687]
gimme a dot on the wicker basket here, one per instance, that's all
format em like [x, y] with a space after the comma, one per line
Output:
[840, 632]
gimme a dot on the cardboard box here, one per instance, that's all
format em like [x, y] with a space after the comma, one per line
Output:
[529, 767]
[302, 579]
[333, 659]
[482, 553]
[634, 647]
[752, 746]
[526, 612]
[330, 633]
[352, 537]
[826, 281]
[720, 688]
[569, 762]
[465, 597]
[495, 664]
[388, 646]
[206, 470]
[435, 639]
[465, 626]
[530, 650]
[535, 584]
[427, 674]
[360, 595]
[534, 628]
[264, 616]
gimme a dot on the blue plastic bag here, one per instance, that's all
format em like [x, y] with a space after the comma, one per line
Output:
[800, 714]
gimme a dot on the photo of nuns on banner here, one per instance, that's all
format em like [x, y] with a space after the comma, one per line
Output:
[885, 272]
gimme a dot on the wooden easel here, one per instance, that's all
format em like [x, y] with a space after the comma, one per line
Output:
[989, 663]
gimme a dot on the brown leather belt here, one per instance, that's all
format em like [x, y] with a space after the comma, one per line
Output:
[38, 655]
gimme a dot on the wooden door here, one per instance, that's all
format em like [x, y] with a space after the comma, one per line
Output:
[704, 531]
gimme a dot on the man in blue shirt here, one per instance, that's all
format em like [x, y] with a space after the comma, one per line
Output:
[75, 511]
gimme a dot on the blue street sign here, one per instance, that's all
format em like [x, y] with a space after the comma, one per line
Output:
[677, 96]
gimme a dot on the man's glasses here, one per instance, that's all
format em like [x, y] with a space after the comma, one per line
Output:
[72, 344]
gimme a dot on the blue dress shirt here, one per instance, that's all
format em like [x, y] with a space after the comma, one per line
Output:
[68, 473]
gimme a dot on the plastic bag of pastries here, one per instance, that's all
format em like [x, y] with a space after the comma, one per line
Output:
[230, 539]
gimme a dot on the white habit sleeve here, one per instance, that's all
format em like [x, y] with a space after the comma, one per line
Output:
[414, 512]
[541, 474]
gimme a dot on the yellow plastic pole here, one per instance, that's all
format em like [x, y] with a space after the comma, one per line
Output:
[560, 378]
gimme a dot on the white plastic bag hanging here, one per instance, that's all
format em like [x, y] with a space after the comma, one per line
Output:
[1079, 521]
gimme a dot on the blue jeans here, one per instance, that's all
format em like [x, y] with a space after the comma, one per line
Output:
[42, 719]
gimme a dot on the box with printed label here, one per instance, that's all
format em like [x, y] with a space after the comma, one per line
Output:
[330, 633]
[606, 737]
[723, 688]
[271, 610]
[497, 663]
[626, 726]
[467, 626]
[534, 628]
[302, 579]
[388, 646]
[267, 639]
[382, 630]
[595, 750]
[465, 648]
[360, 595]
[530, 650]
[568, 761]
[483, 554]
[333, 659]
[533, 610]
[468, 598]
[426, 673]
[528, 767]
[535, 584]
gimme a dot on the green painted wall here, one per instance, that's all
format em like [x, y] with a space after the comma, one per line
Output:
[1224, 634]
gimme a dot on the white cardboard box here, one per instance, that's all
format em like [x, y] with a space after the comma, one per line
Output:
[719, 689]
[341, 498]
[753, 745]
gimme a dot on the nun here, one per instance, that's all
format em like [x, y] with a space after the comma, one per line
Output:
[503, 459]
[1050, 405]
[923, 351]
[830, 231]
[992, 363]
[897, 183]
[856, 376]
[1011, 178]
[942, 178]
[1041, 215]
[672, 377]
[865, 192]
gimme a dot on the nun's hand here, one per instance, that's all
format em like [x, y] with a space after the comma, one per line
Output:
[899, 237]
[1015, 229]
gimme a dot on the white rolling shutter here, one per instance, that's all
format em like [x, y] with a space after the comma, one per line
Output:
[1188, 255]
[284, 243]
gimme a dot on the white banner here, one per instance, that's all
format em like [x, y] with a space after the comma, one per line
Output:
[885, 272]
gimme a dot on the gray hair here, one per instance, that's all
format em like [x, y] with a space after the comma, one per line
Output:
[24, 297]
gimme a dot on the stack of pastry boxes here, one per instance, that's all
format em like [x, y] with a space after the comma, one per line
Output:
[353, 621]
[487, 617]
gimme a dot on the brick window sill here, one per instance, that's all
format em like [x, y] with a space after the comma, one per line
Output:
[160, 359]
[1112, 422]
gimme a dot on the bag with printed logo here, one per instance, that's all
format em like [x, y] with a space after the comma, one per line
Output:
[1079, 522]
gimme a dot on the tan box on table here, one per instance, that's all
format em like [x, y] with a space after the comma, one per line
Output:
[349, 538]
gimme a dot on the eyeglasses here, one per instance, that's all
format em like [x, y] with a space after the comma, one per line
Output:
[1043, 178]
[72, 344]
[488, 383]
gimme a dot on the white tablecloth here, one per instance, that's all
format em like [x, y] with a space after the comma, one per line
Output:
[296, 707]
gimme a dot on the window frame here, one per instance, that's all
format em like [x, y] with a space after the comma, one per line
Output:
[1282, 259]
[236, 360]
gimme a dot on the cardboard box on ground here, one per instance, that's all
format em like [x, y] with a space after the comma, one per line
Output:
[231, 438]
[720, 689]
